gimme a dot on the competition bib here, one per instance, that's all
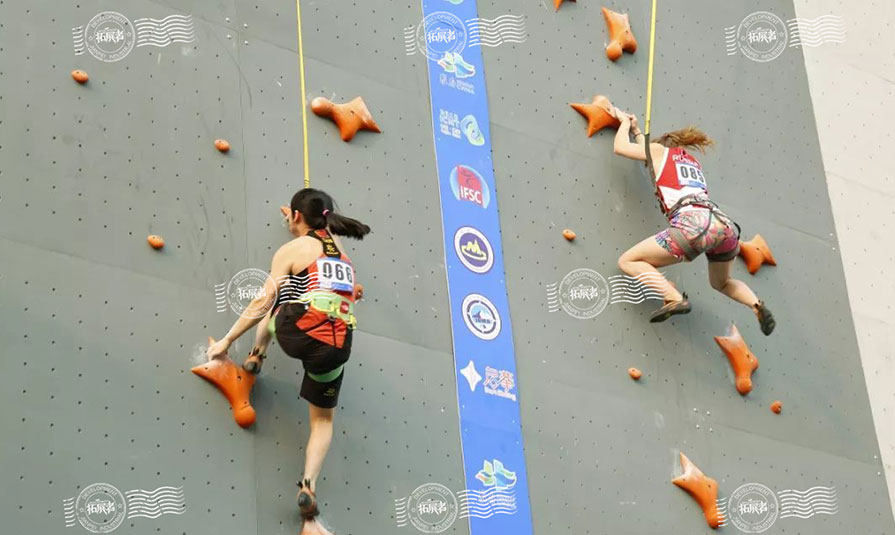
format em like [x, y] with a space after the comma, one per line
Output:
[334, 274]
[690, 175]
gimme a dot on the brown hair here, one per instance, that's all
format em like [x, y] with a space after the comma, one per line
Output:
[689, 137]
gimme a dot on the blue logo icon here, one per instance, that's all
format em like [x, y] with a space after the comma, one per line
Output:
[454, 63]
[481, 316]
[473, 249]
[440, 34]
[470, 127]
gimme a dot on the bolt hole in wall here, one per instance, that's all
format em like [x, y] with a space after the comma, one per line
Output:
[184, 126]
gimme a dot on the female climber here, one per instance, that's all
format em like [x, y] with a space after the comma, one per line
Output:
[696, 224]
[310, 310]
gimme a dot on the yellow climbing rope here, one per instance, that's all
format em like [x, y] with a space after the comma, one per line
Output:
[649, 90]
[304, 110]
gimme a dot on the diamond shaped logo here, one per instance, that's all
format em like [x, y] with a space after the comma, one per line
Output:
[472, 375]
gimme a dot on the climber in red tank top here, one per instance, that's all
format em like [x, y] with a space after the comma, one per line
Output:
[696, 224]
[311, 316]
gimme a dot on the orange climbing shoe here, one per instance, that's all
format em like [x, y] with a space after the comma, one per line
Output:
[756, 253]
[702, 488]
[254, 361]
[307, 500]
[671, 308]
[233, 382]
[620, 36]
[741, 359]
[349, 117]
[600, 114]
[765, 318]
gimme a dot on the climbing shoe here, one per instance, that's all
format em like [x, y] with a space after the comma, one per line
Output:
[253, 362]
[307, 501]
[671, 308]
[765, 318]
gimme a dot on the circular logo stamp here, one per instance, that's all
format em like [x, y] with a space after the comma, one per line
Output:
[432, 508]
[753, 508]
[762, 36]
[583, 293]
[109, 36]
[244, 287]
[100, 508]
[473, 249]
[441, 33]
[481, 316]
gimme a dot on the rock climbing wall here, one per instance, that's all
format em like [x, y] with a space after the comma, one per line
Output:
[100, 331]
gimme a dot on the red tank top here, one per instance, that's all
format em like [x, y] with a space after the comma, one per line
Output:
[679, 174]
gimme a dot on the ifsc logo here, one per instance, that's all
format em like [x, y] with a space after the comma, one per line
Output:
[439, 34]
[473, 249]
[481, 316]
[468, 185]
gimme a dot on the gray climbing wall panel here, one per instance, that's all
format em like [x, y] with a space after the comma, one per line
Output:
[99, 332]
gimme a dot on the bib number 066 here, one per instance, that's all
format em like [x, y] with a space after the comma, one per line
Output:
[334, 274]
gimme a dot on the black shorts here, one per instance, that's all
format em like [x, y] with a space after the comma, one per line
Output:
[322, 362]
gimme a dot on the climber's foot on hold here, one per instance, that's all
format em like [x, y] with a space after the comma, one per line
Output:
[765, 318]
[307, 501]
[253, 362]
[671, 308]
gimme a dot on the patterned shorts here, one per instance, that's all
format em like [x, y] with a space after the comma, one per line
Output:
[720, 242]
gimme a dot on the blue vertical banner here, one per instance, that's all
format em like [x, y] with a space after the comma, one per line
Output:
[496, 496]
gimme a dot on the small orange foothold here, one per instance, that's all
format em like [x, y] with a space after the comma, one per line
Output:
[222, 145]
[349, 117]
[741, 359]
[620, 36]
[80, 76]
[635, 373]
[569, 234]
[702, 488]
[776, 407]
[600, 113]
[234, 382]
[358, 291]
[155, 241]
[557, 3]
[756, 252]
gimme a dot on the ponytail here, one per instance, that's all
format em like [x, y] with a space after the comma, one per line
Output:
[318, 210]
[689, 137]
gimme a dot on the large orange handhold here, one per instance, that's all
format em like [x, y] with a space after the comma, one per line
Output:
[234, 382]
[702, 488]
[600, 113]
[349, 117]
[741, 359]
[557, 3]
[312, 527]
[620, 36]
[756, 252]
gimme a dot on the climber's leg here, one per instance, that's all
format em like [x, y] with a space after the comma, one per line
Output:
[641, 261]
[321, 421]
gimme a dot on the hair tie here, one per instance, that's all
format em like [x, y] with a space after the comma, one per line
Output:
[325, 212]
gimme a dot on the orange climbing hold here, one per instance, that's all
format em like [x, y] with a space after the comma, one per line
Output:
[777, 407]
[635, 373]
[756, 252]
[741, 359]
[702, 488]
[557, 3]
[600, 113]
[349, 117]
[80, 76]
[222, 145]
[312, 527]
[620, 36]
[234, 382]
[155, 241]
[569, 234]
